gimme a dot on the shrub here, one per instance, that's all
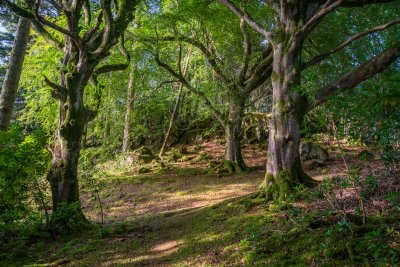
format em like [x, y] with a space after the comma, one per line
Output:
[23, 161]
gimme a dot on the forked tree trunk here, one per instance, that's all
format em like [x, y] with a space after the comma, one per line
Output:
[233, 134]
[126, 142]
[83, 51]
[284, 170]
[63, 174]
[11, 81]
[73, 117]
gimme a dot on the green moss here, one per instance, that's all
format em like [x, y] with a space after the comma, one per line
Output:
[203, 156]
[234, 166]
[144, 170]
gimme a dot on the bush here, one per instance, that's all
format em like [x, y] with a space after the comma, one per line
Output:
[23, 162]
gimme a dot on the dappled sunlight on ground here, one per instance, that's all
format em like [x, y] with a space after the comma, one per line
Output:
[167, 247]
[188, 216]
[183, 187]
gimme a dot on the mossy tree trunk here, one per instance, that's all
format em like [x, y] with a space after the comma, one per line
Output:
[295, 20]
[233, 134]
[83, 48]
[73, 117]
[284, 169]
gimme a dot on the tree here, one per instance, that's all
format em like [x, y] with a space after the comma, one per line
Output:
[13, 74]
[129, 106]
[294, 22]
[177, 105]
[85, 44]
[238, 76]
[8, 25]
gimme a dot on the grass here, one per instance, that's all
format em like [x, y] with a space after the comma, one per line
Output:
[189, 217]
[183, 238]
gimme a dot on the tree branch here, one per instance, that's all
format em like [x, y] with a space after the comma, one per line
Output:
[87, 12]
[368, 69]
[58, 92]
[46, 35]
[360, 3]
[56, 5]
[109, 68]
[123, 50]
[185, 83]
[243, 15]
[327, 8]
[261, 71]
[89, 34]
[246, 52]
[107, 28]
[21, 12]
[211, 57]
[54, 26]
[327, 54]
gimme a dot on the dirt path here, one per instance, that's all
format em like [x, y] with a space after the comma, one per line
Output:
[186, 216]
[185, 186]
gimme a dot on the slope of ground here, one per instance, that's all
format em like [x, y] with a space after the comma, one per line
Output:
[189, 216]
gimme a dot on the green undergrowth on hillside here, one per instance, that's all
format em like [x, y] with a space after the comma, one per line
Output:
[318, 239]
[244, 231]
[324, 226]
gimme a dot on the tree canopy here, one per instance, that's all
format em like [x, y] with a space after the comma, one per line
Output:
[93, 89]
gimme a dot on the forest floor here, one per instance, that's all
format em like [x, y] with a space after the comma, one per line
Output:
[186, 215]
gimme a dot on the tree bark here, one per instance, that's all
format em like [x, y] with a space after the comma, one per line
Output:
[233, 134]
[63, 173]
[126, 142]
[284, 169]
[13, 74]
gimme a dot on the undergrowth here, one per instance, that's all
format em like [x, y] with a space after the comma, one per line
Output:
[330, 232]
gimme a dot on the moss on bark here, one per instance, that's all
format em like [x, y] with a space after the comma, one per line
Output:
[234, 166]
[282, 186]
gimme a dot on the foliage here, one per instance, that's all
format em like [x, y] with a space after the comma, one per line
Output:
[322, 237]
[40, 108]
[371, 115]
[23, 161]
[368, 113]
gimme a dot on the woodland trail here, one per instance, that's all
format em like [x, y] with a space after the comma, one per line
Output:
[186, 216]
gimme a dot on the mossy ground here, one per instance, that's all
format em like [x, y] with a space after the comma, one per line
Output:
[186, 216]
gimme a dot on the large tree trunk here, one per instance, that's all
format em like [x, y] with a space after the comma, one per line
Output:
[63, 174]
[73, 117]
[284, 169]
[233, 134]
[126, 142]
[10, 85]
